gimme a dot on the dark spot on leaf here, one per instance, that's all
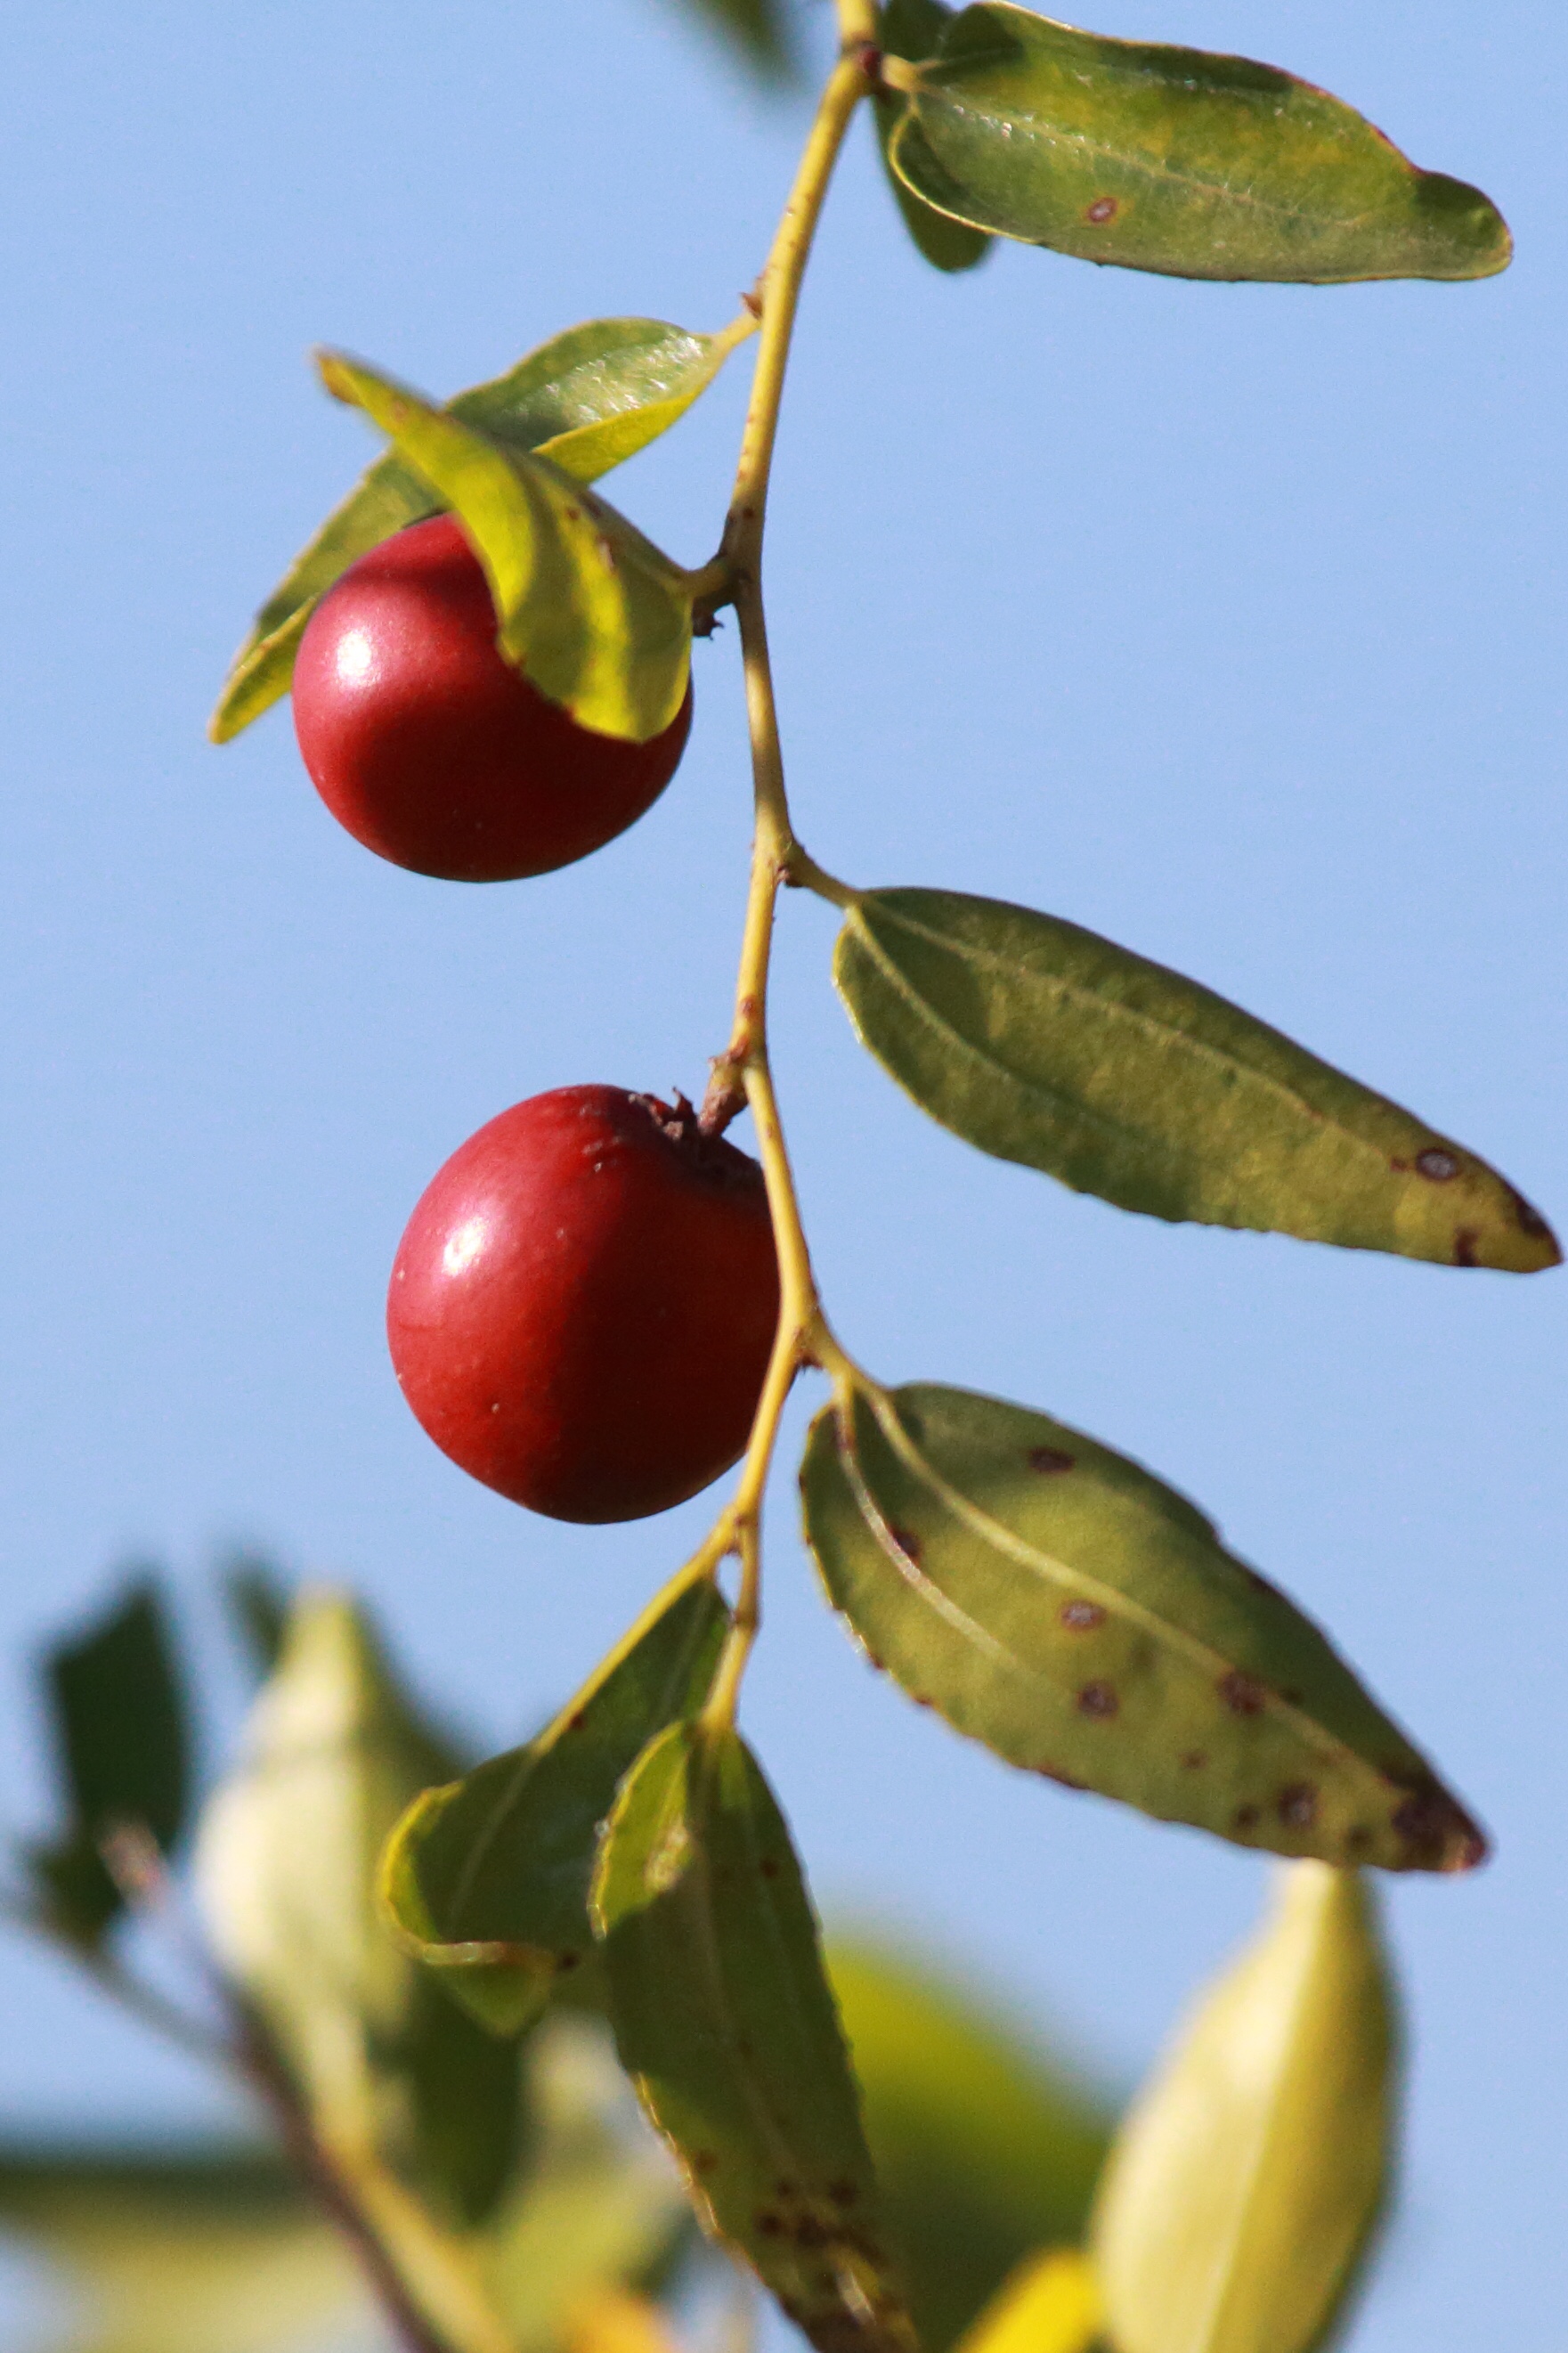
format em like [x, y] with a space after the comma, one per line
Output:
[1436, 1165]
[1048, 1459]
[1103, 209]
[910, 1546]
[1401, 1166]
[873, 1661]
[1531, 1221]
[703, 2161]
[1196, 1759]
[783, 2189]
[1299, 1806]
[1081, 1614]
[1097, 1699]
[809, 2232]
[1291, 1697]
[768, 1867]
[1245, 1818]
[1465, 1242]
[768, 2226]
[1241, 1694]
[1440, 1835]
[843, 2193]
[1357, 1839]
[564, 1961]
[575, 1722]
[921, 1699]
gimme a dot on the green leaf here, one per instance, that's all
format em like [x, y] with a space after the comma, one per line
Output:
[913, 30]
[1174, 161]
[123, 1737]
[1053, 1600]
[726, 2024]
[1043, 1043]
[598, 618]
[985, 2146]
[287, 1852]
[465, 2120]
[1246, 2180]
[487, 1879]
[587, 399]
[758, 30]
[600, 2207]
[258, 1602]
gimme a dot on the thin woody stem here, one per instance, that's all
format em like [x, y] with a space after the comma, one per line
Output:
[742, 1073]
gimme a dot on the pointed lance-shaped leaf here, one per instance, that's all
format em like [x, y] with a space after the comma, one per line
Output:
[598, 618]
[487, 1879]
[726, 2024]
[1052, 1599]
[1174, 161]
[1248, 2177]
[587, 399]
[913, 30]
[987, 2145]
[122, 1727]
[1043, 1043]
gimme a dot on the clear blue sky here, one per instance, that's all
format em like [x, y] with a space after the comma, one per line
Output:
[1227, 621]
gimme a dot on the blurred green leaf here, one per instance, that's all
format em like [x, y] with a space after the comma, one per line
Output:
[465, 2110]
[598, 618]
[587, 399]
[1174, 161]
[287, 1853]
[486, 1879]
[1051, 2305]
[757, 30]
[202, 2250]
[122, 1737]
[600, 2205]
[1246, 2180]
[985, 2146]
[1053, 1600]
[726, 2025]
[913, 29]
[1041, 1042]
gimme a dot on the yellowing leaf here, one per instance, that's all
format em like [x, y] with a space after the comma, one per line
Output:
[587, 399]
[1174, 161]
[1246, 2180]
[598, 618]
[726, 2025]
[1043, 1043]
[1056, 1602]
[1051, 2305]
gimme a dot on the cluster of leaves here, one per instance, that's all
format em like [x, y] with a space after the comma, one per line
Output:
[1245, 2181]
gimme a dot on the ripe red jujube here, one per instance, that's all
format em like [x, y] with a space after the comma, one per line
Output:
[582, 1305]
[431, 748]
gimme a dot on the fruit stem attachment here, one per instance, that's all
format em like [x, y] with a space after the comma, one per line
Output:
[742, 1074]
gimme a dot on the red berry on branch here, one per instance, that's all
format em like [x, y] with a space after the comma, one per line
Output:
[431, 748]
[583, 1303]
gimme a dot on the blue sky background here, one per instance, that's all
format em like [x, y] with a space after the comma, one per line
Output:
[1227, 621]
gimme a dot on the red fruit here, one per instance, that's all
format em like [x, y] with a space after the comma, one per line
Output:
[584, 1303]
[432, 749]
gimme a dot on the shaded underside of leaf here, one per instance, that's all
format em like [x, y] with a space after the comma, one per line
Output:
[1248, 2176]
[1175, 160]
[726, 2024]
[597, 618]
[487, 1879]
[1041, 1042]
[913, 29]
[587, 399]
[986, 2147]
[1055, 1601]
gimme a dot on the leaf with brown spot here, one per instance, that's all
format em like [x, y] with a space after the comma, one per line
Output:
[1173, 160]
[726, 2024]
[1185, 1664]
[486, 1880]
[1246, 2183]
[1041, 1042]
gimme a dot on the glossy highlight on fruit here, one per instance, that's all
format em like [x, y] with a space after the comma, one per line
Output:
[431, 748]
[584, 1303]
